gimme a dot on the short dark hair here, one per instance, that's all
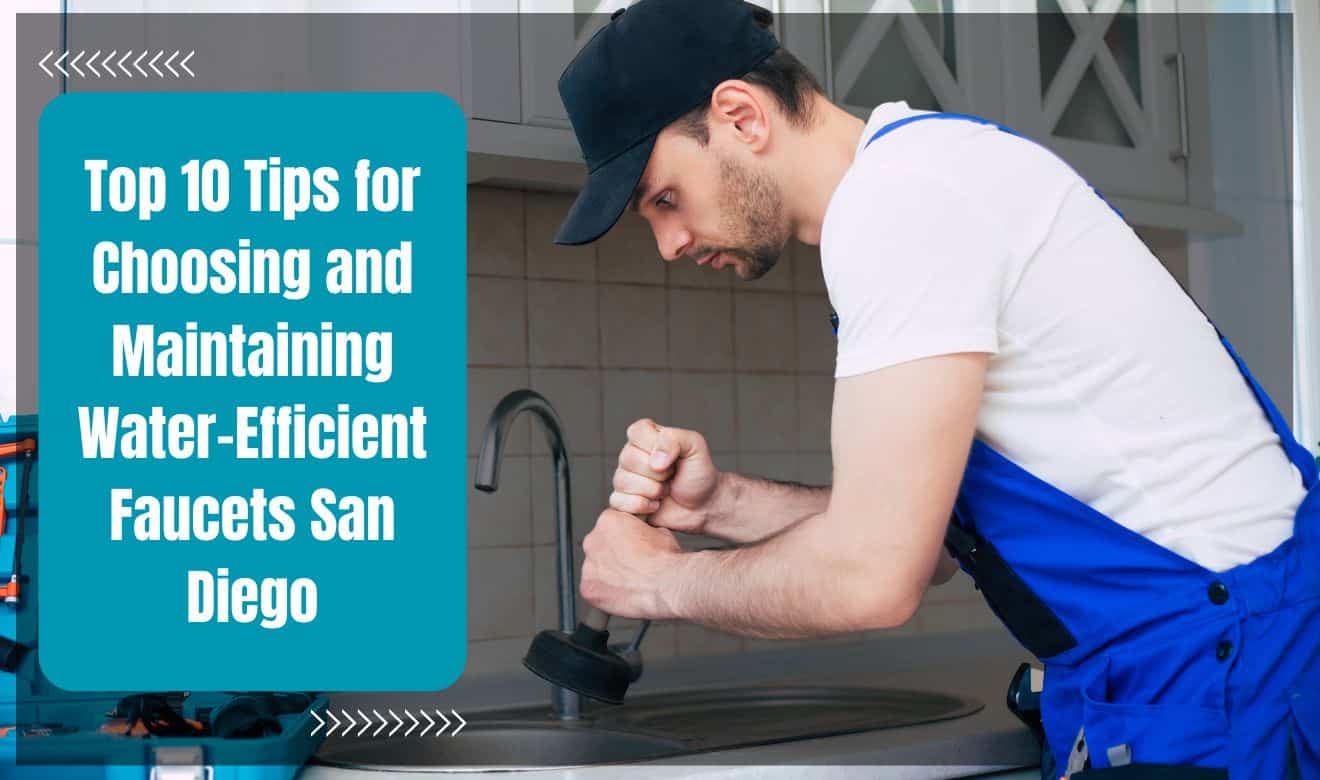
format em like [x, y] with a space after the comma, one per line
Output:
[781, 74]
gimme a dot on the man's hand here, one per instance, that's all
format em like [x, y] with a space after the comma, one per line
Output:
[626, 564]
[666, 473]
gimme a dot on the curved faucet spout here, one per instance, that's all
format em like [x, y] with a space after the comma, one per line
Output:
[567, 704]
[497, 430]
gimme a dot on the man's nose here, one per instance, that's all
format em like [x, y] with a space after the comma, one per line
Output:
[672, 242]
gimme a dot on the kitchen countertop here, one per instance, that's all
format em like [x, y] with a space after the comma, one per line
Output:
[975, 664]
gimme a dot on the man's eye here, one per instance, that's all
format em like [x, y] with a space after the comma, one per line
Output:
[665, 200]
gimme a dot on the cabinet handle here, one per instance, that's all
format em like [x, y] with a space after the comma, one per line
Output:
[1179, 63]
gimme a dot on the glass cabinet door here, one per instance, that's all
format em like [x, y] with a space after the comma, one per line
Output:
[919, 51]
[1102, 82]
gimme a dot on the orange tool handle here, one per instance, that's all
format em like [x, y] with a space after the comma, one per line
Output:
[9, 591]
[10, 448]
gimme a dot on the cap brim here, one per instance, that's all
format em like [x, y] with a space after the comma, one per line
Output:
[608, 190]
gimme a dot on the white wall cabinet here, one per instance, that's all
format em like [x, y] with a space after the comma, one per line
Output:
[1116, 91]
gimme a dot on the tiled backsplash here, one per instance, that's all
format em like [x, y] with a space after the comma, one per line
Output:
[610, 333]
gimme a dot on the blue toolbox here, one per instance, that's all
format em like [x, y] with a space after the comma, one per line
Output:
[46, 733]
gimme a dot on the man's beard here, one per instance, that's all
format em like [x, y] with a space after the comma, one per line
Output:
[753, 218]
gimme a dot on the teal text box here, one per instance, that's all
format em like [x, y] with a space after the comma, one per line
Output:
[391, 615]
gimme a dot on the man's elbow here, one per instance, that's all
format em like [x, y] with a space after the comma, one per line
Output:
[898, 611]
[883, 606]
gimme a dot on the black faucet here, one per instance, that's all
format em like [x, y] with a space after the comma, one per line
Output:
[567, 704]
[576, 660]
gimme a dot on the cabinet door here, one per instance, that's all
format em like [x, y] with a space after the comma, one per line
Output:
[1098, 81]
[550, 34]
[800, 27]
[492, 74]
[920, 51]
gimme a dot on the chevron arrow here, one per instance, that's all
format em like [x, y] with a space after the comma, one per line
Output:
[331, 715]
[60, 60]
[396, 717]
[415, 723]
[42, 64]
[441, 730]
[73, 63]
[461, 723]
[366, 723]
[319, 723]
[169, 60]
[429, 723]
[109, 65]
[383, 724]
[91, 63]
[152, 64]
[351, 723]
[126, 71]
[183, 63]
[139, 67]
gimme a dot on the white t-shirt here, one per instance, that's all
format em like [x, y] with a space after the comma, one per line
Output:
[1104, 379]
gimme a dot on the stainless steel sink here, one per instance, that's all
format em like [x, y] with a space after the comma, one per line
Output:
[649, 727]
[495, 745]
[732, 717]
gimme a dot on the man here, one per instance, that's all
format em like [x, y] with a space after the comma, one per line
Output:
[1009, 352]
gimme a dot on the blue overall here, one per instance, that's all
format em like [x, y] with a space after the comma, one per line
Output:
[1144, 648]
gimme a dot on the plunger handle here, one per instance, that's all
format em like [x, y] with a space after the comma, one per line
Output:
[596, 619]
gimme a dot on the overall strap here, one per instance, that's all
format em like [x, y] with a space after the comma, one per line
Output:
[892, 126]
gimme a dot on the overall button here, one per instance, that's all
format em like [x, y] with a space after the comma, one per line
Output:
[1218, 593]
[1224, 650]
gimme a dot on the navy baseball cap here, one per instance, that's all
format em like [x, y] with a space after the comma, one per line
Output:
[653, 63]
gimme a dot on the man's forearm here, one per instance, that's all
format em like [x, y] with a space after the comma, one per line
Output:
[754, 509]
[799, 584]
[759, 508]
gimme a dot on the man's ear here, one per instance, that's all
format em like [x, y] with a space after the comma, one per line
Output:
[742, 112]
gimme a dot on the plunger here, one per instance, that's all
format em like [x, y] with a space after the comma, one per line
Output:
[583, 661]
